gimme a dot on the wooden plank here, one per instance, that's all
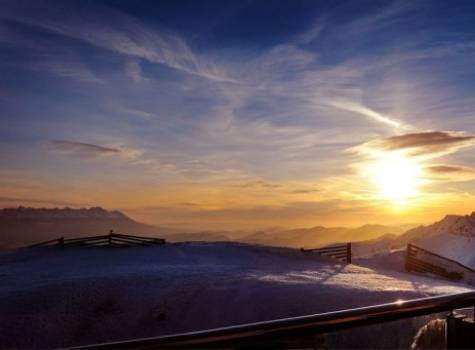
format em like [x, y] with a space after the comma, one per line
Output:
[134, 236]
[343, 246]
[130, 238]
[332, 253]
[326, 250]
[53, 241]
[424, 267]
[339, 252]
[85, 238]
[131, 242]
[418, 265]
[442, 257]
[86, 242]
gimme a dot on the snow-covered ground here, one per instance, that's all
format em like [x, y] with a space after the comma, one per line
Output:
[53, 297]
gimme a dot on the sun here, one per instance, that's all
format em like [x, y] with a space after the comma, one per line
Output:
[397, 177]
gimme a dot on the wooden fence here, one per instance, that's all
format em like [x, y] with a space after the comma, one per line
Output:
[424, 261]
[341, 252]
[110, 240]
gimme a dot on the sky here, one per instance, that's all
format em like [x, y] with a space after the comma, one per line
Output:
[240, 115]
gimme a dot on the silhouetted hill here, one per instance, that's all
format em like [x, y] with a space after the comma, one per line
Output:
[319, 235]
[23, 226]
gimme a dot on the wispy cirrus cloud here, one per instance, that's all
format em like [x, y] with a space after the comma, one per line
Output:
[133, 70]
[357, 108]
[113, 30]
[259, 185]
[42, 55]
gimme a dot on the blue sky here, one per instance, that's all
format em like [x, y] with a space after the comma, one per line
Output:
[211, 113]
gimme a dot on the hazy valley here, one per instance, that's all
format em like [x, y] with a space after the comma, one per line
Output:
[23, 226]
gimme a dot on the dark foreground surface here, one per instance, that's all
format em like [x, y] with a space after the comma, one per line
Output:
[53, 297]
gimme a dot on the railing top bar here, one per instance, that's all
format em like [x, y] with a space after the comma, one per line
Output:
[298, 325]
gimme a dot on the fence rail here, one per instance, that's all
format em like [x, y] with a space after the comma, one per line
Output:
[424, 261]
[255, 334]
[110, 240]
[341, 252]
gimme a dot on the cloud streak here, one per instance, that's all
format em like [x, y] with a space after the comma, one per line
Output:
[367, 112]
[82, 148]
[21, 201]
[450, 173]
[430, 143]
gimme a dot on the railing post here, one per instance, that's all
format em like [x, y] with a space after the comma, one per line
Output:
[454, 335]
[348, 253]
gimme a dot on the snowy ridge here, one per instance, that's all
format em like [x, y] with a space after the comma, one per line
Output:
[56, 213]
[452, 237]
[451, 224]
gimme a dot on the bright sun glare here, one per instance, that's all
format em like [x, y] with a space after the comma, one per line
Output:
[396, 177]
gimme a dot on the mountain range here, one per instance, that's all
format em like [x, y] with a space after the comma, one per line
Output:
[23, 226]
[320, 235]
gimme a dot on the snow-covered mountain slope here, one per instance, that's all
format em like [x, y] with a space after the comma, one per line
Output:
[52, 297]
[452, 237]
[451, 224]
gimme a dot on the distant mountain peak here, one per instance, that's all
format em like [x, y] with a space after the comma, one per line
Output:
[61, 213]
[23, 226]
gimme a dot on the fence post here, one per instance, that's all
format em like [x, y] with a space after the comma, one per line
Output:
[348, 253]
[408, 258]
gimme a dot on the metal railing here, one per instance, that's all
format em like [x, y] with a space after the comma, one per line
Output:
[261, 332]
